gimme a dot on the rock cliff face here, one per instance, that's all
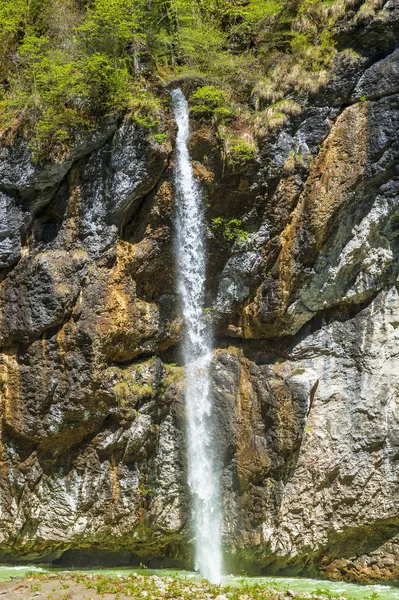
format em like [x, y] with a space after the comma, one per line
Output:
[306, 315]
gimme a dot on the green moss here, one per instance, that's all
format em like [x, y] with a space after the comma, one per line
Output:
[122, 392]
[145, 108]
[235, 350]
[127, 392]
[145, 122]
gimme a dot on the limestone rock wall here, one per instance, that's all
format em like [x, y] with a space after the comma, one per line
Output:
[306, 366]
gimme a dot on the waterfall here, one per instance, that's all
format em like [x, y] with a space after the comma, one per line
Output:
[203, 476]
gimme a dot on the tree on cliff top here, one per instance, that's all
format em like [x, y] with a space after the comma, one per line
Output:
[65, 63]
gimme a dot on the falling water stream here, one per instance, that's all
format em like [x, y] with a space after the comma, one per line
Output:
[203, 476]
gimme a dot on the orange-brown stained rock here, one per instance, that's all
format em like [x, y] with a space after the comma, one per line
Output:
[73, 210]
[253, 459]
[126, 320]
[339, 167]
[131, 321]
[11, 398]
[11, 415]
[115, 484]
[286, 421]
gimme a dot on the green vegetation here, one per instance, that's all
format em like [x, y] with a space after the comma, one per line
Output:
[144, 584]
[240, 153]
[276, 114]
[138, 381]
[293, 160]
[143, 490]
[172, 375]
[160, 138]
[132, 383]
[35, 587]
[65, 64]
[231, 228]
[210, 101]
[122, 392]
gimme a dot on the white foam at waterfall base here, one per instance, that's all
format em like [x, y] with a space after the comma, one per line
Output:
[203, 476]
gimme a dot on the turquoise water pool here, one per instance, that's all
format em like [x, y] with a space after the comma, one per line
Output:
[296, 584]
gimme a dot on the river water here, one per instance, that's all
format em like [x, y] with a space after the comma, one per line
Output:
[296, 584]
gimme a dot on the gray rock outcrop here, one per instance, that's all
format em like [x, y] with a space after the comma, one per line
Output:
[306, 367]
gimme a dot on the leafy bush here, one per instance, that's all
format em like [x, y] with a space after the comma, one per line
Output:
[63, 78]
[160, 138]
[110, 26]
[232, 229]
[65, 64]
[144, 108]
[210, 101]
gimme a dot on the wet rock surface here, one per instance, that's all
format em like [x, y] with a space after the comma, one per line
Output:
[305, 371]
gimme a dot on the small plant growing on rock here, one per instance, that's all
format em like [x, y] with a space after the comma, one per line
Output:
[143, 491]
[240, 153]
[160, 138]
[173, 374]
[121, 390]
[210, 101]
[35, 587]
[232, 229]
[144, 108]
